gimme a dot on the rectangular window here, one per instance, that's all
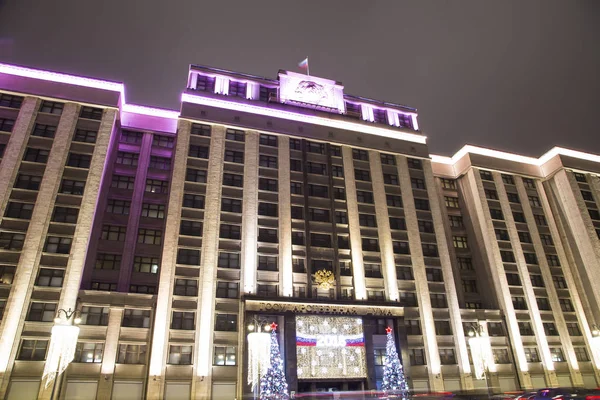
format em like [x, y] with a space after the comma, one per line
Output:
[149, 236]
[41, 312]
[79, 160]
[566, 305]
[29, 182]
[230, 232]
[237, 89]
[392, 200]
[524, 237]
[298, 238]
[438, 300]
[456, 221]
[559, 282]
[379, 116]
[10, 101]
[314, 168]
[367, 197]
[51, 107]
[491, 194]
[118, 206]
[366, 220]
[48, 277]
[581, 354]
[130, 159]
[513, 279]
[543, 304]
[414, 163]
[409, 299]
[231, 205]
[205, 84]
[268, 185]
[422, 204]
[313, 147]
[486, 175]
[193, 201]
[508, 179]
[391, 179]
[97, 316]
[449, 184]
[85, 136]
[417, 183]
[530, 258]
[358, 154]
[388, 159]
[417, 357]
[335, 151]
[234, 156]
[268, 140]
[195, 175]
[546, 240]
[268, 209]
[6, 125]
[451, 202]
[536, 280]
[266, 290]
[227, 290]
[157, 186]
[111, 232]
[108, 261]
[540, 220]
[180, 355]
[434, 275]
[233, 180]
[41, 130]
[201, 130]
[186, 287]
[496, 214]
[19, 210]
[36, 155]
[271, 161]
[161, 163]
[442, 328]
[465, 264]
[90, 113]
[153, 210]
[33, 350]
[469, 286]
[318, 191]
[224, 355]
[397, 223]
[131, 137]
[501, 356]
[122, 182]
[321, 240]
[587, 195]
[66, 215]
[196, 151]
[188, 257]
[447, 357]
[534, 201]
[413, 327]
[267, 263]
[132, 354]
[502, 234]
[226, 322]
[460, 242]
[557, 354]
[531, 355]
[11, 241]
[429, 250]
[58, 245]
[529, 183]
[513, 198]
[525, 329]
[341, 217]
[337, 171]
[373, 270]
[148, 265]
[553, 260]
[519, 303]
[183, 320]
[167, 142]
[573, 329]
[518, 216]
[400, 247]
[235, 135]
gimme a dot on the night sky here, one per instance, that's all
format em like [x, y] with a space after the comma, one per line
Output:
[519, 76]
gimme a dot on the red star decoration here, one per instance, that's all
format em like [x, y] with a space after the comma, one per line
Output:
[388, 329]
[273, 326]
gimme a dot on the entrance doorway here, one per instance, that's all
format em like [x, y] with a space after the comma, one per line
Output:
[326, 386]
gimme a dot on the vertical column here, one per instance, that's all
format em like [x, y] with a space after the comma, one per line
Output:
[388, 264]
[250, 212]
[285, 218]
[134, 214]
[449, 283]
[584, 235]
[201, 386]
[484, 230]
[534, 312]
[358, 269]
[421, 285]
[160, 334]
[111, 349]
[566, 263]
[565, 338]
[15, 149]
[26, 271]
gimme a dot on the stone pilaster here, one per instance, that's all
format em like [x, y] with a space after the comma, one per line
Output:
[26, 271]
[13, 154]
[449, 283]
[388, 264]
[250, 213]
[111, 351]
[160, 333]
[202, 384]
[358, 269]
[436, 382]
[285, 218]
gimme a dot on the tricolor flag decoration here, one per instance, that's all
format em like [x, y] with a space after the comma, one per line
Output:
[303, 63]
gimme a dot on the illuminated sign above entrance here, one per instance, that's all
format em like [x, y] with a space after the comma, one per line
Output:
[321, 308]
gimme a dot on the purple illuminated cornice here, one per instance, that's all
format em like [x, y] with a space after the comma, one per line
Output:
[310, 119]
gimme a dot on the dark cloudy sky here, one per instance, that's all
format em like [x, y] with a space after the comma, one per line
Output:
[520, 76]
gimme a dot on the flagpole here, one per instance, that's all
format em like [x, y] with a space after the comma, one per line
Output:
[307, 67]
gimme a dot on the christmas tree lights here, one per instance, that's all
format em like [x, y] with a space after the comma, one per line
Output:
[273, 385]
[394, 380]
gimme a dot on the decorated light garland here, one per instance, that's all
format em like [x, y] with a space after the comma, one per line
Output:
[394, 381]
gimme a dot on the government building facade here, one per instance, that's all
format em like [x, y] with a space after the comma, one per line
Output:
[174, 239]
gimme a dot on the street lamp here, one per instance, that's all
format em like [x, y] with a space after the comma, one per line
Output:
[481, 351]
[259, 347]
[63, 343]
[595, 342]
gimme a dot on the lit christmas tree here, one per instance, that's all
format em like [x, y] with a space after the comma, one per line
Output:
[273, 385]
[394, 380]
